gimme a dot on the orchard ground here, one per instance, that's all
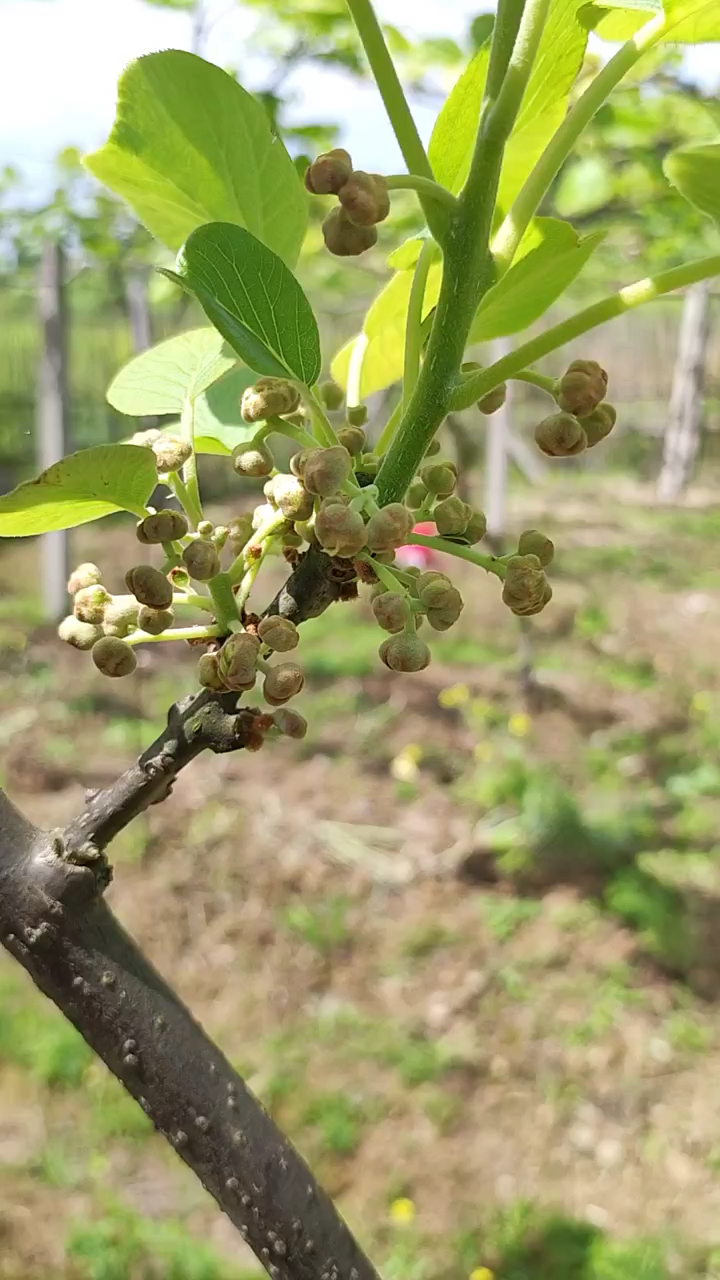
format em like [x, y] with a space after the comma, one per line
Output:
[462, 940]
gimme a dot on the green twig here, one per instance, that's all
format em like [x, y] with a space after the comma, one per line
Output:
[424, 187]
[175, 482]
[490, 563]
[190, 474]
[324, 433]
[226, 611]
[176, 633]
[413, 324]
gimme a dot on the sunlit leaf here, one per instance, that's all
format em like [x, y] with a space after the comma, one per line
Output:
[453, 136]
[80, 488]
[159, 380]
[695, 171]
[384, 328]
[693, 21]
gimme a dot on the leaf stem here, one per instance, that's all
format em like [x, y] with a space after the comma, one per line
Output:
[175, 482]
[490, 563]
[388, 431]
[413, 326]
[540, 380]
[245, 559]
[322, 425]
[424, 187]
[226, 611]
[190, 474]
[278, 426]
[176, 633]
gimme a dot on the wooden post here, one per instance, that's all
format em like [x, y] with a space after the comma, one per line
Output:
[52, 417]
[138, 308]
[685, 416]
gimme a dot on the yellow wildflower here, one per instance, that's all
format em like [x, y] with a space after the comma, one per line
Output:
[700, 701]
[456, 695]
[519, 725]
[404, 767]
[482, 1273]
[402, 1212]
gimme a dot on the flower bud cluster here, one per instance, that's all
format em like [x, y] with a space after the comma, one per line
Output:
[363, 202]
[585, 417]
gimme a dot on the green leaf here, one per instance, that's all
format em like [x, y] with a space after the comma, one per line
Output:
[550, 256]
[252, 298]
[695, 171]
[453, 137]
[80, 488]
[384, 327]
[160, 380]
[693, 21]
[218, 424]
[190, 146]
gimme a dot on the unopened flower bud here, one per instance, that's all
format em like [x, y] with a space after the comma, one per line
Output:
[439, 478]
[179, 578]
[476, 527]
[298, 462]
[451, 516]
[154, 621]
[205, 529]
[422, 582]
[278, 633]
[163, 526]
[343, 238]
[86, 575]
[369, 465]
[149, 586]
[267, 398]
[252, 459]
[353, 439]
[357, 415]
[598, 424]
[329, 172]
[208, 674]
[120, 617]
[292, 539]
[239, 532]
[365, 198]
[560, 436]
[494, 399]
[201, 560]
[331, 394]
[433, 448]
[171, 454]
[113, 657]
[237, 660]
[146, 439]
[262, 514]
[581, 388]
[390, 610]
[81, 635]
[326, 470]
[90, 604]
[405, 652]
[525, 585]
[340, 531]
[290, 723]
[416, 495]
[291, 497]
[390, 527]
[220, 535]
[534, 543]
[282, 683]
[443, 607]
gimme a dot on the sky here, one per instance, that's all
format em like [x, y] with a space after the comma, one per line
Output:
[60, 61]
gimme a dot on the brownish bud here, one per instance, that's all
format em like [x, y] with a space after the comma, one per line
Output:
[298, 461]
[581, 388]
[340, 531]
[476, 527]
[390, 610]
[170, 453]
[494, 399]
[252, 459]
[282, 683]
[353, 439]
[451, 516]
[201, 560]
[365, 198]
[343, 238]
[331, 394]
[329, 172]
[90, 604]
[113, 657]
[240, 532]
[278, 633]
[416, 495]
[154, 621]
[560, 436]
[86, 575]
[357, 415]
[534, 543]
[146, 439]
[267, 398]
[405, 652]
[390, 527]
[291, 497]
[120, 617]
[290, 723]
[439, 478]
[163, 526]
[208, 674]
[525, 585]
[149, 586]
[81, 635]
[237, 660]
[431, 575]
[598, 424]
[326, 470]
[443, 607]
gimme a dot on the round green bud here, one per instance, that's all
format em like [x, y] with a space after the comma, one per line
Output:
[369, 465]
[149, 586]
[340, 531]
[267, 398]
[343, 238]
[598, 424]
[389, 528]
[171, 454]
[357, 415]
[451, 516]
[81, 635]
[90, 603]
[353, 439]
[179, 578]
[390, 610]
[445, 608]
[237, 660]
[113, 657]
[524, 588]
[416, 495]
[291, 497]
[201, 560]
[326, 470]
[240, 531]
[292, 539]
[221, 533]
[405, 652]
[365, 198]
[423, 580]
[154, 621]
[534, 543]
[305, 530]
[476, 527]
[433, 448]
[494, 399]
[290, 723]
[252, 459]
[581, 388]
[278, 633]
[86, 575]
[163, 526]
[331, 395]
[439, 478]
[120, 617]
[327, 175]
[560, 436]
[208, 674]
[282, 683]
[205, 529]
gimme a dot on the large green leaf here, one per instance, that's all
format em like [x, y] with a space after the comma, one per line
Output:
[550, 256]
[189, 146]
[693, 21]
[83, 487]
[161, 379]
[453, 137]
[695, 171]
[252, 299]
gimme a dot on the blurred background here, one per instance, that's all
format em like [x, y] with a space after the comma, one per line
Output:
[463, 939]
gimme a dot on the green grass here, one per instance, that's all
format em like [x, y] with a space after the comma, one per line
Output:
[339, 1121]
[323, 926]
[504, 916]
[35, 1036]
